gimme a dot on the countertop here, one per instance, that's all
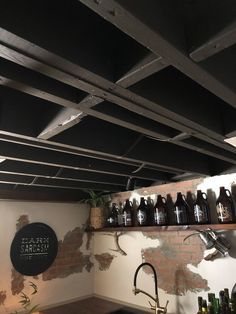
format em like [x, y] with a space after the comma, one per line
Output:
[93, 305]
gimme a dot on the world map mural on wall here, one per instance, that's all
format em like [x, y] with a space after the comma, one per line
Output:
[171, 259]
[3, 296]
[70, 258]
[104, 260]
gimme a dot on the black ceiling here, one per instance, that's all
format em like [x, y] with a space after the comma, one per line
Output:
[94, 93]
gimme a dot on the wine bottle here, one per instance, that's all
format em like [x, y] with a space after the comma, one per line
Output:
[142, 213]
[225, 207]
[201, 209]
[212, 307]
[204, 307]
[160, 212]
[233, 300]
[181, 210]
[199, 299]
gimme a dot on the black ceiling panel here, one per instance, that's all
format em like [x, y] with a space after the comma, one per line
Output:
[97, 94]
[92, 133]
[88, 40]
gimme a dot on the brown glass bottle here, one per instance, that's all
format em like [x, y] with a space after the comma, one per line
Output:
[201, 209]
[160, 212]
[142, 213]
[128, 214]
[181, 211]
[199, 305]
[112, 220]
[225, 207]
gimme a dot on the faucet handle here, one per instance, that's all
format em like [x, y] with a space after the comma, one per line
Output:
[152, 307]
[136, 291]
[165, 308]
[162, 310]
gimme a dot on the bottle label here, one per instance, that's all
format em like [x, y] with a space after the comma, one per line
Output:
[224, 213]
[160, 217]
[180, 215]
[127, 219]
[200, 214]
[120, 220]
[141, 217]
[111, 221]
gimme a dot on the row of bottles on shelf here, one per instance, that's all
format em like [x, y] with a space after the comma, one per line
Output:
[222, 305]
[159, 215]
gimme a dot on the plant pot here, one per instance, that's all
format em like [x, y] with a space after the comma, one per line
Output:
[97, 218]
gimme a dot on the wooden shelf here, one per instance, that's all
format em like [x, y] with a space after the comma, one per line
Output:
[169, 228]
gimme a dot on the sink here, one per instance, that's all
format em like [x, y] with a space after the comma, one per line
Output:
[127, 310]
[122, 311]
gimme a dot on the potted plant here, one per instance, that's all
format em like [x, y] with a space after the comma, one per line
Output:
[96, 202]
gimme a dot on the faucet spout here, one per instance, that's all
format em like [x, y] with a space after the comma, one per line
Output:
[156, 307]
[154, 273]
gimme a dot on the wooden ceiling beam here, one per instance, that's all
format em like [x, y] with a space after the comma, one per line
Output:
[78, 77]
[63, 120]
[26, 171]
[223, 39]
[116, 94]
[65, 178]
[149, 65]
[73, 110]
[13, 178]
[117, 166]
[130, 18]
[17, 151]
[84, 107]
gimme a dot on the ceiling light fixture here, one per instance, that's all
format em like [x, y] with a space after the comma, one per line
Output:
[231, 141]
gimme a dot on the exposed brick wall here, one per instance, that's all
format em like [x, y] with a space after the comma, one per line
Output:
[104, 260]
[17, 282]
[170, 189]
[3, 296]
[170, 259]
[70, 259]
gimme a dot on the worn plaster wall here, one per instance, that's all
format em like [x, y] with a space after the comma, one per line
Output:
[71, 275]
[183, 274]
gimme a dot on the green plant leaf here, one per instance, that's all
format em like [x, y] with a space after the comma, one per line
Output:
[95, 199]
[32, 310]
[35, 288]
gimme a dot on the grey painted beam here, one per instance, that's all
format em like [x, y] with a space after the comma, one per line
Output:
[65, 119]
[149, 65]
[88, 160]
[64, 178]
[47, 184]
[73, 111]
[36, 170]
[220, 41]
[59, 123]
[14, 151]
[71, 114]
[134, 22]
[79, 78]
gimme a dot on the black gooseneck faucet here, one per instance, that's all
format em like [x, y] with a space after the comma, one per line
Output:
[157, 308]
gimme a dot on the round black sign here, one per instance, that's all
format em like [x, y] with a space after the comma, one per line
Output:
[34, 249]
